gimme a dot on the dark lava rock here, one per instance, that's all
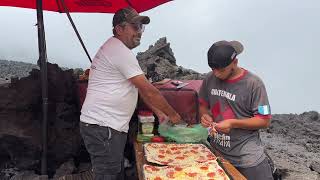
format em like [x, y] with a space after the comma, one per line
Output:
[158, 63]
[315, 166]
[21, 119]
[303, 129]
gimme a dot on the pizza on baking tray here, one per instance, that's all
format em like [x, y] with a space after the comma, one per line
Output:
[209, 170]
[177, 154]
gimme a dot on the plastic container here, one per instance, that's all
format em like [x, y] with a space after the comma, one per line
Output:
[146, 121]
[145, 116]
[143, 138]
[147, 128]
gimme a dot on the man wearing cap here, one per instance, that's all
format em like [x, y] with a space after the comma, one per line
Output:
[114, 82]
[234, 106]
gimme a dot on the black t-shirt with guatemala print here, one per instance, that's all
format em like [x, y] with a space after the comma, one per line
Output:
[241, 98]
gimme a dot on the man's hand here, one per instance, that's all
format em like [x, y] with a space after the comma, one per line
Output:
[175, 118]
[224, 126]
[161, 116]
[153, 98]
[206, 120]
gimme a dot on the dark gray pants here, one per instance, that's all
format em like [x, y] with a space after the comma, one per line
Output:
[105, 146]
[260, 172]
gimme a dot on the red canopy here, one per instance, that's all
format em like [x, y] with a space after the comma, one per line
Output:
[93, 6]
[88, 6]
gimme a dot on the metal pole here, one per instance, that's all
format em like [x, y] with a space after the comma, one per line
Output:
[65, 9]
[44, 84]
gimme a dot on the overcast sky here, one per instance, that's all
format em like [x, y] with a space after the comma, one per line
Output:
[281, 40]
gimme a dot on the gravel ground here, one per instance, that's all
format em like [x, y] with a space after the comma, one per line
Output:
[293, 143]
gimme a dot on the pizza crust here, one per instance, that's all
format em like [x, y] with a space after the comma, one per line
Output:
[200, 171]
[177, 154]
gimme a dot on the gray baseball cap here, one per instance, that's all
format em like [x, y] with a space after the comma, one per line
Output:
[222, 53]
[235, 44]
[129, 15]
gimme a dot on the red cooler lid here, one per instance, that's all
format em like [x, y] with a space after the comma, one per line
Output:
[145, 113]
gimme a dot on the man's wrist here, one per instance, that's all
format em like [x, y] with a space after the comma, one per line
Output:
[233, 123]
[173, 114]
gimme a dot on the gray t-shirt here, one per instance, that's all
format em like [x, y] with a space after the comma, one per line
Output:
[241, 98]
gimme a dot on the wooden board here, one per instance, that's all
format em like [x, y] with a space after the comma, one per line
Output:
[141, 160]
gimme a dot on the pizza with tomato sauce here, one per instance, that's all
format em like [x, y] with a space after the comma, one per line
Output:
[209, 170]
[177, 154]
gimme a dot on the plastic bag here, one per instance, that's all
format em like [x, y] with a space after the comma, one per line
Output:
[182, 134]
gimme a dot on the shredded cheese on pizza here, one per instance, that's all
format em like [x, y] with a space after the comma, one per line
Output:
[177, 154]
[200, 171]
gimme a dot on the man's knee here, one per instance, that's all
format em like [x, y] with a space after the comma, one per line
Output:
[105, 167]
[108, 171]
[262, 171]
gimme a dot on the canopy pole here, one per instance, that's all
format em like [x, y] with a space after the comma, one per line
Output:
[129, 3]
[42, 62]
[65, 9]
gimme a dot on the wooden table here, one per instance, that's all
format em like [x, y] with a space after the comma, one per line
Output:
[140, 161]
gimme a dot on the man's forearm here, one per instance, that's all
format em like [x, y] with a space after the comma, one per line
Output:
[145, 100]
[250, 123]
[203, 110]
[158, 102]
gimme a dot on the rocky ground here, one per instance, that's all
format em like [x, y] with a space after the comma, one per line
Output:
[293, 143]
[14, 69]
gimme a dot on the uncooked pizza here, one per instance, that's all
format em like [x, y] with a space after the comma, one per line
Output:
[200, 171]
[177, 154]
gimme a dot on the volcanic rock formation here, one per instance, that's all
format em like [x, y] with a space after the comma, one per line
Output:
[21, 120]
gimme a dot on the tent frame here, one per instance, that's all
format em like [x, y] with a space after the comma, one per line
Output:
[42, 62]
